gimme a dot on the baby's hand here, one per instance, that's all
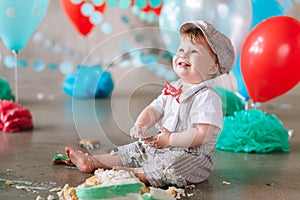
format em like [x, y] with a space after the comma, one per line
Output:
[138, 131]
[161, 140]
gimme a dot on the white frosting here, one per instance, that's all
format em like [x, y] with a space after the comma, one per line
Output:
[119, 182]
[112, 177]
[158, 193]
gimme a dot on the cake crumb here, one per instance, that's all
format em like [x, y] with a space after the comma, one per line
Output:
[226, 183]
[8, 182]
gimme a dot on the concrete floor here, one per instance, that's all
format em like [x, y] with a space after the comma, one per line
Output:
[61, 122]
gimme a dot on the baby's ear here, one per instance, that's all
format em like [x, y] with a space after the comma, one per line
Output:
[214, 69]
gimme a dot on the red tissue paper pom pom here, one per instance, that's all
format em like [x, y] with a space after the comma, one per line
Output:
[14, 117]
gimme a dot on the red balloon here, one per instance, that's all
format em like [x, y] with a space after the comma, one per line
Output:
[73, 11]
[270, 58]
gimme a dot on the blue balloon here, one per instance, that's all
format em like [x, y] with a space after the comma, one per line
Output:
[263, 9]
[239, 79]
[88, 82]
[19, 19]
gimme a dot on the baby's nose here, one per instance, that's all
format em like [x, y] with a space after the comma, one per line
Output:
[184, 55]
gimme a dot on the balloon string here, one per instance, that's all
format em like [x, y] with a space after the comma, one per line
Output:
[230, 82]
[247, 105]
[16, 76]
[233, 89]
[86, 48]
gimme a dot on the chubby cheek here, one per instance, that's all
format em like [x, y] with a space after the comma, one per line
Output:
[174, 60]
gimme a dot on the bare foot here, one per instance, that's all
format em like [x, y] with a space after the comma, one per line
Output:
[84, 162]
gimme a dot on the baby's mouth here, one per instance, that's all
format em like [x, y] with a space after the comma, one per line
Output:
[183, 65]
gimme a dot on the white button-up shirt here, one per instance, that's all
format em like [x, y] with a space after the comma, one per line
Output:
[198, 104]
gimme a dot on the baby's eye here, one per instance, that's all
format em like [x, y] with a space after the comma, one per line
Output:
[195, 51]
[180, 50]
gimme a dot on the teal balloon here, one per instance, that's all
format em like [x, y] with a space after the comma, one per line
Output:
[265, 9]
[19, 19]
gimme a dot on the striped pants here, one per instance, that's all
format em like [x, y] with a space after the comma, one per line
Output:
[167, 166]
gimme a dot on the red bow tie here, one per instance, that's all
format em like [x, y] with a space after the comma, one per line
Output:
[171, 90]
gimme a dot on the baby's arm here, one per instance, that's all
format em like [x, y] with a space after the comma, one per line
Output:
[198, 135]
[145, 120]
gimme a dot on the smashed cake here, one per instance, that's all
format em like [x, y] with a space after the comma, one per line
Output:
[108, 184]
[104, 184]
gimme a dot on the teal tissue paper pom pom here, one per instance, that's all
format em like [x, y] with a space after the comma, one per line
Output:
[5, 91]
[253, 131]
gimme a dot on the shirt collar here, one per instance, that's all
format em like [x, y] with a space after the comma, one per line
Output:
[193, 89]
